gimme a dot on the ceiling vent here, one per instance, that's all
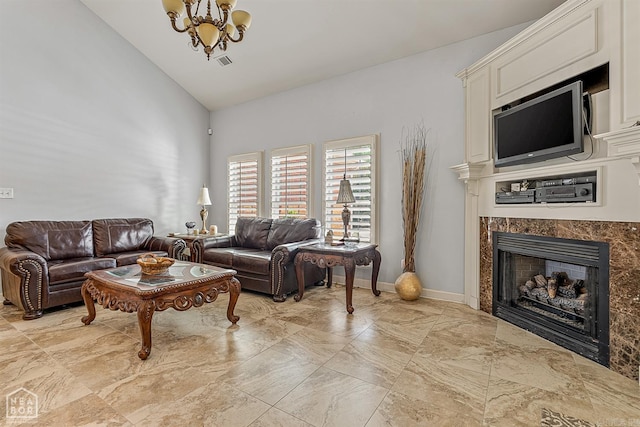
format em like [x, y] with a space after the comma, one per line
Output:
[224, 60]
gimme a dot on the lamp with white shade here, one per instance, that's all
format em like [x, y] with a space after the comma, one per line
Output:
[204, 200]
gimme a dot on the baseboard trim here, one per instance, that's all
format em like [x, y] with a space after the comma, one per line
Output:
[390, 287]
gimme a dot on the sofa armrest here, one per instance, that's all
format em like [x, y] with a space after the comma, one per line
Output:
[288, 251]
[216, 242]
[32, 277]
[174, 247]
[281, 255]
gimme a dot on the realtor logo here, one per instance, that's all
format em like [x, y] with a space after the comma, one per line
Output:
[22, 403]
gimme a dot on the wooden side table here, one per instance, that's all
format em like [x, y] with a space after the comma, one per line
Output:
[189, 254]
[327, 256]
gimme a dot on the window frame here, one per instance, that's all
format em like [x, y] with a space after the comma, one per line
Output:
[372, 141]
[255, 156]
[306, 150]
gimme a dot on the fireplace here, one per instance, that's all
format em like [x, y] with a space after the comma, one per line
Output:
[556, 288]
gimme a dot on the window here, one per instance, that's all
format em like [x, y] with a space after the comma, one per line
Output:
[290, 182]
[244, 187]
[355, 157]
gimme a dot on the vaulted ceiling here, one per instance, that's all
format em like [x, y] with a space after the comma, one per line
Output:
[296, 42]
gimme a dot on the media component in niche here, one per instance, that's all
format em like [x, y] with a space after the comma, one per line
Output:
[560, 190]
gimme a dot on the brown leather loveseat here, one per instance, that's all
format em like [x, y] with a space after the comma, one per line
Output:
[44, 262]
[262, 252]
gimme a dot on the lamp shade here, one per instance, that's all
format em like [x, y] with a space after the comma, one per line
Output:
[209, 34]
[345, 195]
[174, 6]
[241, 19]
[204, 199]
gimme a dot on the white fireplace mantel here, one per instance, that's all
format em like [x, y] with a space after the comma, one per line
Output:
[624, 143]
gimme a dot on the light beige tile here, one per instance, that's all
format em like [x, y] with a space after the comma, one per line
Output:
[512, 404]
[138, 396]
[329, 398]
[277, 418]
[457, 353]
[511, 334]
[540, 367]
[399, 410]
[214, 404]
[312, 345]
[405, 324]
[87, 411]
[269, 376]
[265, 332]
[451, 389]
[614, 397]
[374, 356]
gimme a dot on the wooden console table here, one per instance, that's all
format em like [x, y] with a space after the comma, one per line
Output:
[185, 285]
[327, 256]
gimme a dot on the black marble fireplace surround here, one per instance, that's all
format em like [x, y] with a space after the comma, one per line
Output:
[576, 316]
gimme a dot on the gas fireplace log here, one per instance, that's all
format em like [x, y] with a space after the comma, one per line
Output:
[567, 291]
[552, 287]
[540, 280]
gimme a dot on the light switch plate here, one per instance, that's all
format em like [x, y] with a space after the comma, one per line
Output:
[6, 193]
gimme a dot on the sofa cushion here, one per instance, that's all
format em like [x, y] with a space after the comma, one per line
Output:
[63, 271]
[252, 232]
[121, 234]
[289, 230]
[253, 260]
[219, 256]
[128, 258]
[52, 239]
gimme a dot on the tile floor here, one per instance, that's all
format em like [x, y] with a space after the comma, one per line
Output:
[391, 363]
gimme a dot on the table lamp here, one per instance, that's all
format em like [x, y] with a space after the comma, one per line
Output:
[204, 200]
[345, 196]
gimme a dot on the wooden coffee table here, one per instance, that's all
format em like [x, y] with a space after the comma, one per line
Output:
[185, 285]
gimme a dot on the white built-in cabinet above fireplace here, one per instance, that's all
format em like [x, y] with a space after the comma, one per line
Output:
[581, 38]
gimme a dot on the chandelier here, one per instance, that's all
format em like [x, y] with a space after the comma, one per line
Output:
[206, 30]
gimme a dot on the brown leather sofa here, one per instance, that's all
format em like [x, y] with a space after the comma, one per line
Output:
[262, 252]
[44, 262]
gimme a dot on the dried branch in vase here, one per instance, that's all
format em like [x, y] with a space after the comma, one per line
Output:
[413, 152]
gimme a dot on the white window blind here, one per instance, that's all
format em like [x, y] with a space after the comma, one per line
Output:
[244, 187]
[290, 182]
[357, 158]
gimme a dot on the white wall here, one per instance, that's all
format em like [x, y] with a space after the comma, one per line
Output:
[89, 128]
[382, 100]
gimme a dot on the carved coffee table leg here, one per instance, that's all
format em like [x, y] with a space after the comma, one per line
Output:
[88, 302]
[329, 276]
[234, 293]
[349, 271]
[145, 313]
[299, 265]
[377, 258]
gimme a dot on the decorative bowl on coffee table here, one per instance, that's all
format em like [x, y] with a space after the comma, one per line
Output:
[152, 265]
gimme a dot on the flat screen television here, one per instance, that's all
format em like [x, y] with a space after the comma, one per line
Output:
[543, 128]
